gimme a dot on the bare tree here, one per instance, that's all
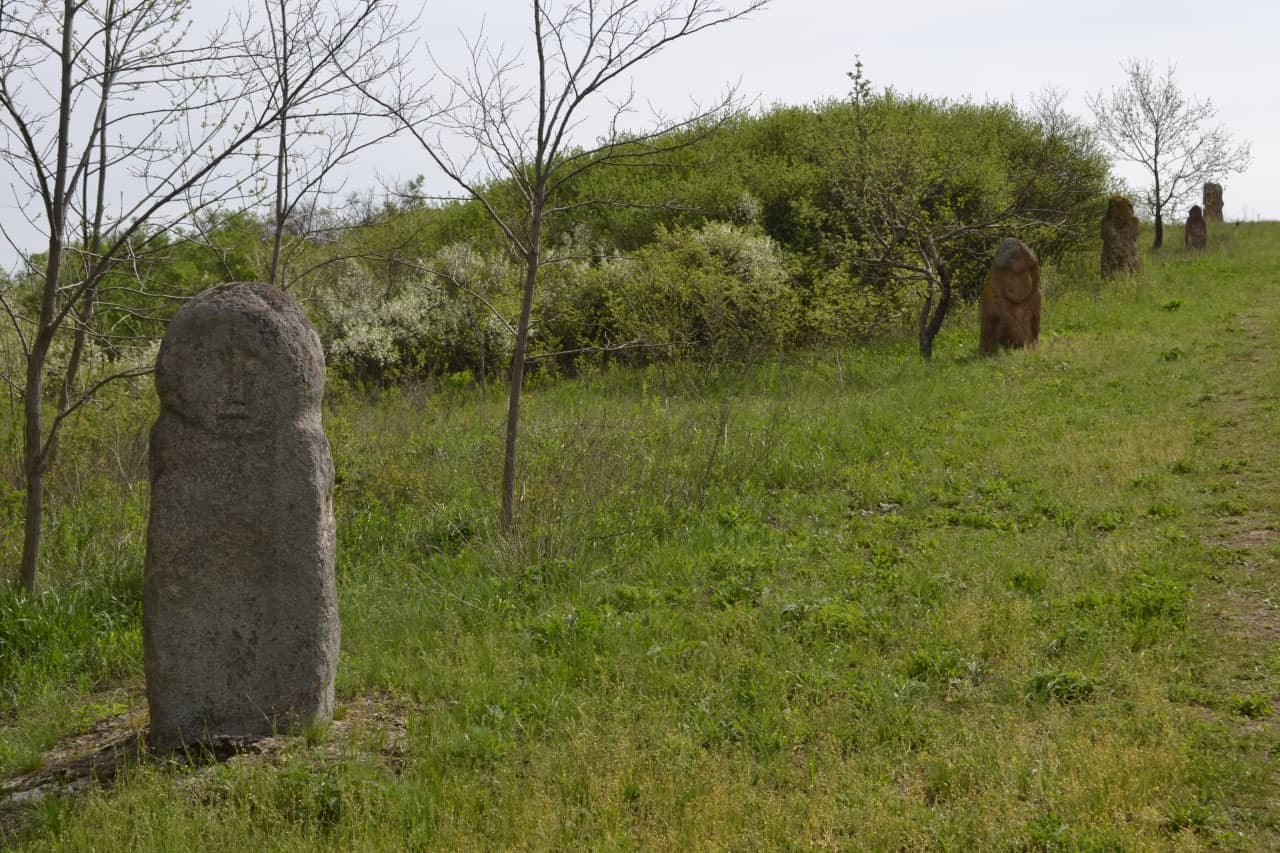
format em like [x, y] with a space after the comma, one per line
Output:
[514, 119]
[1149, 121]
[121, 125]
[325, 119]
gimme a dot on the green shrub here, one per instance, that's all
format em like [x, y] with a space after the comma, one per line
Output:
[721, 291]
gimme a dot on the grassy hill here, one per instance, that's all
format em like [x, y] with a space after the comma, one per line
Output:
[849, 600]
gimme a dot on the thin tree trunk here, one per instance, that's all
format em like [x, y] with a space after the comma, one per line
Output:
[931, 316]
[281, 178]
[926, 342]
[33, 464]
[92, 270]
[1159, 241]
[83, 319]
[282, 152]
[33, 390]
[482, 375]
[532, 261]
[35, 458]
[32, 518]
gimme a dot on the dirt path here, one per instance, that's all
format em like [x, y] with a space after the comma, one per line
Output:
[1248, 458]
[1239, 611]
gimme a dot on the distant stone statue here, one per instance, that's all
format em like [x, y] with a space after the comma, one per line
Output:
[240, 621]
[1196, 235]
[1213, 202]
[1011, 298]
[1120, 239]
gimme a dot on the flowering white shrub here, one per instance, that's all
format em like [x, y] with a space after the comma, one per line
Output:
[436, 323]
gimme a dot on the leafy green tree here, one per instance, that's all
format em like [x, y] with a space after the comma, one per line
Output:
[925, 186]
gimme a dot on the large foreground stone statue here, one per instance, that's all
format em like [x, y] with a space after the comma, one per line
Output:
[1120, 239]
[1011, 298]
[240, 621]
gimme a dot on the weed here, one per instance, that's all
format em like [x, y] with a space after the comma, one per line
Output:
[1028, 583]
[1192, 815]
[940, 663]
[1255, 706]
[1049, 833]
[1148, 597]
[1061, 686]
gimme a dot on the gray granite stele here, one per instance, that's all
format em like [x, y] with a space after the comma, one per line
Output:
[240, 619]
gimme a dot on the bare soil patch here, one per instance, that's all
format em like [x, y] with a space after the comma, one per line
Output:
[98, 756]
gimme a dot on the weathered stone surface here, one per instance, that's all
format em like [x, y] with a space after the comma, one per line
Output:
[1196, 235]
[240, 621]
[1120, 239]
[1011, 298]
[1213, 202]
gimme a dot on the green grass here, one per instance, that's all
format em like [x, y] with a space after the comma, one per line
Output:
[847, 600]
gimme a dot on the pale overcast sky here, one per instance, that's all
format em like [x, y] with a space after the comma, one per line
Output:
[798, 52]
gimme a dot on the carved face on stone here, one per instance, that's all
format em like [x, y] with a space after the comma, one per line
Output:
[227, 387]
[226, 365]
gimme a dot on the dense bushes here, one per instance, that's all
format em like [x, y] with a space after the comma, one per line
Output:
[443, 319]
[755, 239]
[745, 238]
[720, 291]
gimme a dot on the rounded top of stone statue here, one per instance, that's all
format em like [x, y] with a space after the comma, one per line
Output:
[1010, 251]
[1119, 207]
[240, 358]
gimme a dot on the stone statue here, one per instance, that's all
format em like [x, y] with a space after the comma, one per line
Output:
[1213, 202]
[1120, 239]
[240, 619]
[1011, 298]
[1196, 234]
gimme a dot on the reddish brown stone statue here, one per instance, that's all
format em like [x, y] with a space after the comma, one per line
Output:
[1120, 239]
[1213, 202]
[1196, 235]
[1011, 299]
